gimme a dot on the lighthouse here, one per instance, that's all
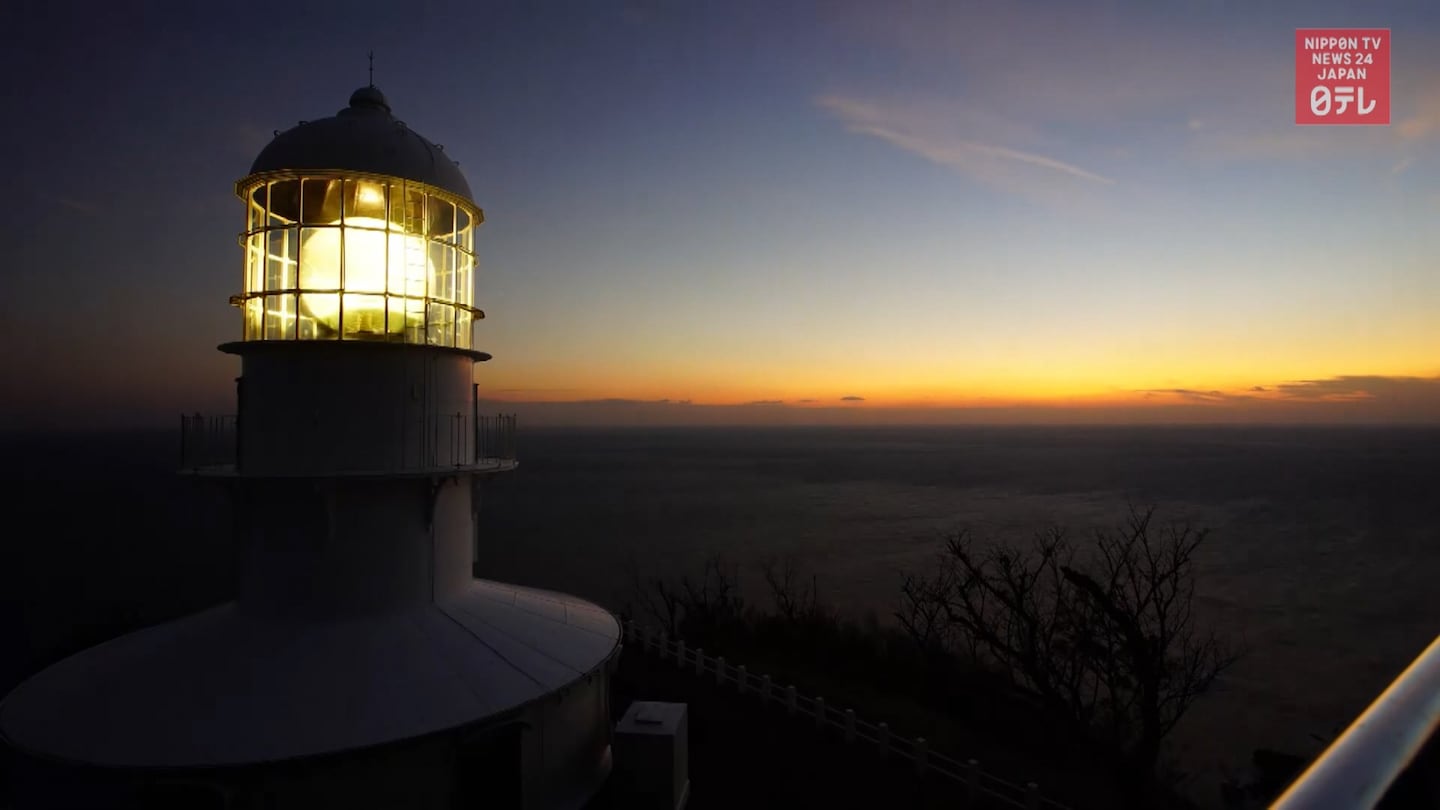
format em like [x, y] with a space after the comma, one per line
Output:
[361, 664]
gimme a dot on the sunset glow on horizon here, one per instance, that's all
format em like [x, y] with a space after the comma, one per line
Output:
[808, 207]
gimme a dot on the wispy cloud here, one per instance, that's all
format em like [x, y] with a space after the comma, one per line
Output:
[1380, 397]
[79, 205]
[1070, 61]
[1415, 116]
[852, 399]
[1420, 119]
[1361, 388]
[1192, 395]
[534, 390]
[623, 401]
[1064, 65]
[964, 139]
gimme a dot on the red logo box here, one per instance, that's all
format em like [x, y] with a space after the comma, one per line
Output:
[1342, 76]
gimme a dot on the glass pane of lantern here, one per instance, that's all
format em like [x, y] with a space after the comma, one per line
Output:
[307, 327]
[462, 228]
[365, 203]
[284, 203]
[280, 256]
[441, 216]
[463, 332]
[364, 317]
[408, 266]
[407, 209]
[279, 317]
[407, 318]
[256, 197]
[394, 318]
[442, 271]
[320, 258]
[365, 256]
[440, 325]
[395, 211]
[464, 278]
[322, 310]
[255, 262]
[320, 201]
[254, 319]
[255, 208]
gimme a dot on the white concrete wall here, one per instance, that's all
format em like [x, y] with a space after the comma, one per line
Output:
[419, 774]
[567, 757]
[454, 536]
[352, 546]
[316, 408]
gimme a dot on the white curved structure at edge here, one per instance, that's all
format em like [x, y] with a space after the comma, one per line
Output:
[1364, 763]
[138, 701]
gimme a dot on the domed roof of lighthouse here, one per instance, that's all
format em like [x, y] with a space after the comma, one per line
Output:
[363, 137]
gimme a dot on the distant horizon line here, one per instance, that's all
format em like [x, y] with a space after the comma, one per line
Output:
[12, 433]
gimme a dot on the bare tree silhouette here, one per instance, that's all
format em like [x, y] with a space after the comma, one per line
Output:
[1104, 640]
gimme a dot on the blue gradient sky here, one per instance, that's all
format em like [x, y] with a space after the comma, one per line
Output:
[998, 211]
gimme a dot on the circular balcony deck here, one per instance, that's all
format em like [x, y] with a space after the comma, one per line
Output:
[224, 688]
[484, 466]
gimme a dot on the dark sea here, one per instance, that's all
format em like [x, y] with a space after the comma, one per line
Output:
[1322, 560]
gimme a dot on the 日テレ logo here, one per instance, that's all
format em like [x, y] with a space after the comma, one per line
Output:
[1342, 76]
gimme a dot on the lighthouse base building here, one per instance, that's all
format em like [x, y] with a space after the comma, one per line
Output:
[445, 706]
[361, 665]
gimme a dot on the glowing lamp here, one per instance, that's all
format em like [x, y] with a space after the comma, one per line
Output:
[372, 255]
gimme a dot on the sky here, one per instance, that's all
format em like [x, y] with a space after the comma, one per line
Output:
[760, 212]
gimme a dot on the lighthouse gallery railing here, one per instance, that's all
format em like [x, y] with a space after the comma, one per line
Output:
[209, 442]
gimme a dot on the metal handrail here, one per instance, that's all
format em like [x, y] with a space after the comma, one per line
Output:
[208, 440]
[977, 782]
[1364, 763]
[495, 437]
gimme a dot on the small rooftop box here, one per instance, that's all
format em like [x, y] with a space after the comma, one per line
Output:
[652, 755]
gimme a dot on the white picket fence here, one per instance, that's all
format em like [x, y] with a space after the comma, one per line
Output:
[976, 781]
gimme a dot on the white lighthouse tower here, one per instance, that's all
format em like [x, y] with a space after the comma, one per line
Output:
[362, 665]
